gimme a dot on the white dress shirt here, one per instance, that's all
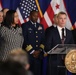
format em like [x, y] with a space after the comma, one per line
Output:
[60, 31]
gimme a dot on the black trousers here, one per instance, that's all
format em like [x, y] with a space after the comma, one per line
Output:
[35, 65]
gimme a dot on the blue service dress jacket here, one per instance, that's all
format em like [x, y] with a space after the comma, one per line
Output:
[33, 36]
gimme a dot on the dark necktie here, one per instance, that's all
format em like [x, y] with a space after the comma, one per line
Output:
[63, 38]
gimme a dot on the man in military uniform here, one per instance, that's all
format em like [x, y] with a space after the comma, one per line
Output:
[33, 33]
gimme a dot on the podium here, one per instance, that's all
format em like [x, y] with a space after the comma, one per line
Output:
[56, 59]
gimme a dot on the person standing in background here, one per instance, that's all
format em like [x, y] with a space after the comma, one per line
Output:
[1, 18]
[47, 34]
[33, 33]
[10, 34]
[51, 27]
[5, 11]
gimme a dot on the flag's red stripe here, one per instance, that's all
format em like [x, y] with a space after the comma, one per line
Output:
[1, 3]
[43, 22]
[74, 26]
[50, 13]
[25, 20]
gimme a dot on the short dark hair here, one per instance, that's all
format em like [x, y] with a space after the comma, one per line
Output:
[9, 18]
[61, 12]
[33, 11]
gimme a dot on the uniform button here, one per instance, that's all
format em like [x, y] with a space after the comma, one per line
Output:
[36, 40]
[36, 31]
[36, 45]
[36, 36]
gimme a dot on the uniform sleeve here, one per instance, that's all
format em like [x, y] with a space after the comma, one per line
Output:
[26, 44]
[42, 40]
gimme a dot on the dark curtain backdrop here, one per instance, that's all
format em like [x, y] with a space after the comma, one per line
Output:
[11, 4]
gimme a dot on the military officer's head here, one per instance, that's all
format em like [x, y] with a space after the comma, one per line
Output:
[34, 16]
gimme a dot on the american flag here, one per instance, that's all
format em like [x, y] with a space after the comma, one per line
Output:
[24, 9]
[0, 5]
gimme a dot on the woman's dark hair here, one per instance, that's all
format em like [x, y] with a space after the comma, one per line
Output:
[9, 18]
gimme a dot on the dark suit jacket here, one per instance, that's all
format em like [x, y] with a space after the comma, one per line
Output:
[48, 30]
[74, 35]
[53, 38]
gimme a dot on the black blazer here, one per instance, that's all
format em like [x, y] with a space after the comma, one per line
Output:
[53, 38]
[74, 35]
